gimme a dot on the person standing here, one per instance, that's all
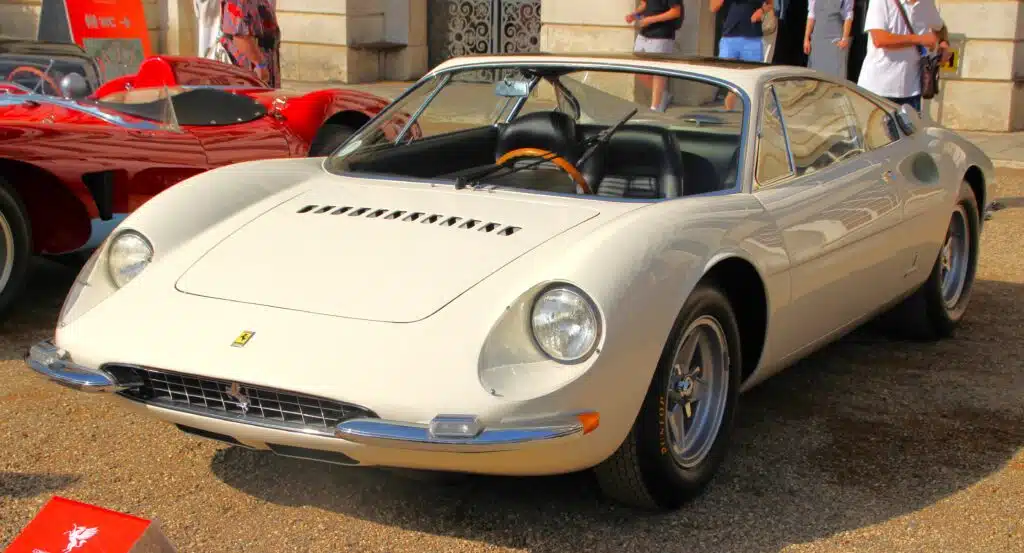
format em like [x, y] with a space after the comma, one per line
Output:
[658, 21]
[208, 25]
[250, 34]
[742, 38]
[827, 36]
[891, 66]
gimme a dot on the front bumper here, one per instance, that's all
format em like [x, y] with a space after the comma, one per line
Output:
[51, 362]
[369, 441]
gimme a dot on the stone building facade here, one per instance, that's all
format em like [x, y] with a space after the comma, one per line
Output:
[358, 41]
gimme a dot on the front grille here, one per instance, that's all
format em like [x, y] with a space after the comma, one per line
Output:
[236, 401]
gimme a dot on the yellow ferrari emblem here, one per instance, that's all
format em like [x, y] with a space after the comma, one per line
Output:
[243, 338]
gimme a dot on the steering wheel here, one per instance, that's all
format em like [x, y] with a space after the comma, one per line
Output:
[42, 76]
[548, 155]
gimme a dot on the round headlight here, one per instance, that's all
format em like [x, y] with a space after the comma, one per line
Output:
[565, 324]
[129, 254]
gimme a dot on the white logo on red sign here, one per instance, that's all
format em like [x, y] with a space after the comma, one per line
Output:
[78, 535]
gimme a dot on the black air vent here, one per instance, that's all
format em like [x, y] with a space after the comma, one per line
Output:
[405, 216]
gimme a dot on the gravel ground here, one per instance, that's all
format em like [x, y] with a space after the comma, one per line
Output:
[869, 446]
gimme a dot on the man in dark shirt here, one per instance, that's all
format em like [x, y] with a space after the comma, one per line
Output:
[741, 32]
[657, 21]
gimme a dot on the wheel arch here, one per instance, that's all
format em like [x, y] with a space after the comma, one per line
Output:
[48, 201]
[742, 284]
[976, 179]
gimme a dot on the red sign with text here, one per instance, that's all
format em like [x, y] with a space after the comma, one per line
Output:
[66, 526]
[108, 19]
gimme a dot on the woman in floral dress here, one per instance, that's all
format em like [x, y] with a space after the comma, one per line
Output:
[252, 38]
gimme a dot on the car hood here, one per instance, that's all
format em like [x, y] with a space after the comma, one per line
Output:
[384, 252]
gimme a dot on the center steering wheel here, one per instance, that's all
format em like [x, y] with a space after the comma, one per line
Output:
[548, 155]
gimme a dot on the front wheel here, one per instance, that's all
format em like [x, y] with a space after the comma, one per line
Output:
[680, 436]
[15, 246]
[936, 308]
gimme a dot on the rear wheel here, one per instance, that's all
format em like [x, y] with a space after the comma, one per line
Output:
[15, 247]
[329, 137]
[680, 436]
[936, 308]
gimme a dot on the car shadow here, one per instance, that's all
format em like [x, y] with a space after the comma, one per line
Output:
[18, 485]
[866, 430]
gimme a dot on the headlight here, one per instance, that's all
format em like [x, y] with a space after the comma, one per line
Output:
[565, 323]
[129, 254]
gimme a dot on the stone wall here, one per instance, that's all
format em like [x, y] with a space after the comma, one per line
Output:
[988, 94]
[349, 41]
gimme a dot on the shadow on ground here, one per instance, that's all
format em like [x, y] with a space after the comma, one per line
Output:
[859, 433]
[17, 485]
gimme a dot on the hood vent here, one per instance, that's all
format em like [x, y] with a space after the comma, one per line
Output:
[412, 217]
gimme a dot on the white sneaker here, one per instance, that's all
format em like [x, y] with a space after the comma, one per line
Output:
[666, 99]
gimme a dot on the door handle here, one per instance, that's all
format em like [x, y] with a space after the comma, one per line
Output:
[887, 177]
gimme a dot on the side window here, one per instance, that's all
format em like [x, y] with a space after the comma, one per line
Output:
[876, 125]
[820, 123]
[772, 157]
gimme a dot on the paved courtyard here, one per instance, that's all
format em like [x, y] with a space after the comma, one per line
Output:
[868, 446]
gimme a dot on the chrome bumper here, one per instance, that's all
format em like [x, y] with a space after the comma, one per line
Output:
[460, 433]
[55, 364]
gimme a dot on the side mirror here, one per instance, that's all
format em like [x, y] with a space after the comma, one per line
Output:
[73, 86]
[908, 119]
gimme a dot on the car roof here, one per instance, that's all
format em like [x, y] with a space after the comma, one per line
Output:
[740, 72]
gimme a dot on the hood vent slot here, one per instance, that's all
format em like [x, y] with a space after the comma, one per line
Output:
[460, 223]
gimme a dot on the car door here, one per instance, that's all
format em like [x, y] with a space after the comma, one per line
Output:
[836, 214]
[261, 138]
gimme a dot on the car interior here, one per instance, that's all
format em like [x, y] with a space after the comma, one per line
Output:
[196, 107]
[641, 160]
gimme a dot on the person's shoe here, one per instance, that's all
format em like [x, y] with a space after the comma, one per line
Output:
[666, 99]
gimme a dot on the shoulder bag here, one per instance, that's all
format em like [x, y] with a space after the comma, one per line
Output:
[928, 64]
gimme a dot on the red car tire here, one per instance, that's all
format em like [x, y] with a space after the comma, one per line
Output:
[15, 246]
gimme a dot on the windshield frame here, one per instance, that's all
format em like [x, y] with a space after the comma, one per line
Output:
[332, 162]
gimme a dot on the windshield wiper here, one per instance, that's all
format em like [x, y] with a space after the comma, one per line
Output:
[590, 145]
[593, 143]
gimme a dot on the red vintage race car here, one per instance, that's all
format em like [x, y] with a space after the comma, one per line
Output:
[76, 156]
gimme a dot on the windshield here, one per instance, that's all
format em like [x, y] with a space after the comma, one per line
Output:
[41, 74]
[460, 123]
[187, 106]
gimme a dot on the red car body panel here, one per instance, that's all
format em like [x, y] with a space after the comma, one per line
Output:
[74, 169]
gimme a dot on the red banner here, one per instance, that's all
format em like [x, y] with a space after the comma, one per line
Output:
[108, 19]
[66, 526]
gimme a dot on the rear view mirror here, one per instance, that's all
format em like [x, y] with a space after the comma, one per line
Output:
[509, 88]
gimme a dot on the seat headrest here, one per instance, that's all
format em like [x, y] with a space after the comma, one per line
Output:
[547, 130]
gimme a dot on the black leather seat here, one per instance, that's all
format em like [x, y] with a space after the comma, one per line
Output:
[548, 130]
[640, 161]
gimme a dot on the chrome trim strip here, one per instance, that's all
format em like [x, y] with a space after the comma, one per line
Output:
[19, 99]
[411, 436]
[229, 417]
[51, 362]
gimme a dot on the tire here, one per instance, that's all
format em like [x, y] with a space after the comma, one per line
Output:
[15, 247]
[648, 471]
[328, 138]
[935, 309]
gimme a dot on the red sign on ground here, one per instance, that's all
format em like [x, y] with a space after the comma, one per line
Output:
[66, 526]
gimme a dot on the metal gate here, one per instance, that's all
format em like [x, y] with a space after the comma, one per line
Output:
[462, 27]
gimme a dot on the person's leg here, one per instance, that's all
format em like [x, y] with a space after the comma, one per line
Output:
[660, 96]
[727, 50]
[642, 45]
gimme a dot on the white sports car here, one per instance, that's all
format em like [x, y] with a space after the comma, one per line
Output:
[549, 276]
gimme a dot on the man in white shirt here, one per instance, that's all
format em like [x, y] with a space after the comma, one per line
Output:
[891, 65]
[208, 16]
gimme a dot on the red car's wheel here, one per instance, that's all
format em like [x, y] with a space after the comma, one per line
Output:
[15, 246]
[329, 138]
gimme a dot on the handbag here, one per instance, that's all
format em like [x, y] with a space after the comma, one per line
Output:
[928, 64]
[769, 23]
